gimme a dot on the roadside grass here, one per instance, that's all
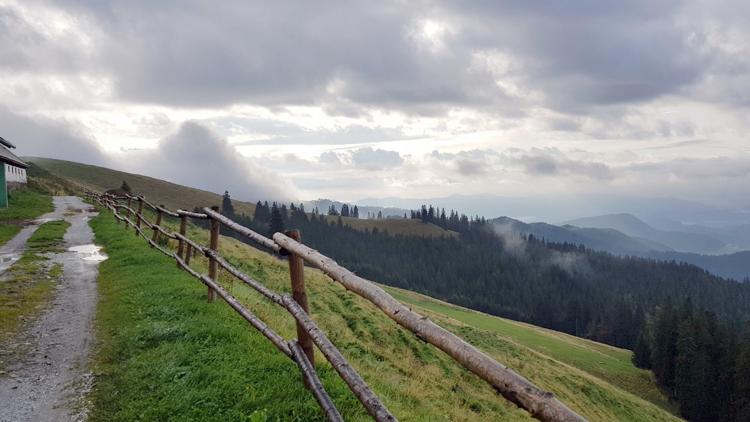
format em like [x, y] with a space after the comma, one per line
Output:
[23, 205]
[29, 283]
[163, 353]
[415, 380]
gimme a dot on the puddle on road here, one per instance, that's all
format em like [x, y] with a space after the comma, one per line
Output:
[89, 252]
[6, 260]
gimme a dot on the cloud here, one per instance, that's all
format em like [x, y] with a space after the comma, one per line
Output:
[553, 162]
[375, 159]
[194, 156]
[44, 137]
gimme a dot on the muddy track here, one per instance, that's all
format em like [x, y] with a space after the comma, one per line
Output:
[47, 375]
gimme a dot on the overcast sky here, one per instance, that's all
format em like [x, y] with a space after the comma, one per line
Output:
[352, 99]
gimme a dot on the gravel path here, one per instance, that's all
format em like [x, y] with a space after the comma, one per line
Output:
[48, 376]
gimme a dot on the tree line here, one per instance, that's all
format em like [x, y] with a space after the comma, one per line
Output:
[702, 362]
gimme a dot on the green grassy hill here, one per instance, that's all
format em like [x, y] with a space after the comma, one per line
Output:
[177, 196]
[142, 319]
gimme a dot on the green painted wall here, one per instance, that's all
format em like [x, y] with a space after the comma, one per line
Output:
[3, 187]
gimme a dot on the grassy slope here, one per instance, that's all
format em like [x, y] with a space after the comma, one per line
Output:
[603, 361]
[29, 283]
[177, 196]
[24, 205]
[101, 179]
[400, 368]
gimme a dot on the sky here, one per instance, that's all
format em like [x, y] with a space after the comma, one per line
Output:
[408, 99]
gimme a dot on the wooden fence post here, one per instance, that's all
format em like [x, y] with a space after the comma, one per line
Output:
[138, 216]
[181, 243]
[157, 224]
[297, 275]
[188, 254]
[213, 266]
[127, 212]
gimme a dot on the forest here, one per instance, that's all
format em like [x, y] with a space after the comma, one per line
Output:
[685, 324]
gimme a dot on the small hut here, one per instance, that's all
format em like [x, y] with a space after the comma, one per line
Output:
[13, 172]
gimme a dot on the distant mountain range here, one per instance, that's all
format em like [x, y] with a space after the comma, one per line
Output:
[632, 226]
[625, 234]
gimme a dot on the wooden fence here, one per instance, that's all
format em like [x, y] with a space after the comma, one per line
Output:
[540, 404]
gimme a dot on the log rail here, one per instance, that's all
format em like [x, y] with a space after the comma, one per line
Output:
[539, 403]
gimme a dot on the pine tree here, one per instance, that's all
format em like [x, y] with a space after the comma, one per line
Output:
[642, 351]
[226, 205]
[663, 351]
[277, 222]
[125, 187]
[742, 380]
[355, 212]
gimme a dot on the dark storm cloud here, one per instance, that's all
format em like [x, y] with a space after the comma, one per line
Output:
[345, 55]
[43, 137]
[592, 52]
[199, 53]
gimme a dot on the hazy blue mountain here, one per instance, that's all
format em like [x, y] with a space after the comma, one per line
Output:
[608, 240]
[632, 226]
[557, 208]
[736, 236]
[735, 266]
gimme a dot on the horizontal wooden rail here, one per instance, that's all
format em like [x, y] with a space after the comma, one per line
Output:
[312, 380]
[539, 403]
[347, 373]
[255, 237]
[194, 215]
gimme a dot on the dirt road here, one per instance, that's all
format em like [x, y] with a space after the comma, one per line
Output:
[47, 374]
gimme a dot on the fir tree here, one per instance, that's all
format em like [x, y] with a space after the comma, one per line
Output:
[226, 205]
[277, 222]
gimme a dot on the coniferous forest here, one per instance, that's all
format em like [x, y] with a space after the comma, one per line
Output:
[686, 325]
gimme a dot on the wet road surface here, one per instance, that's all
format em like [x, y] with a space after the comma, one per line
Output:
[48, 376]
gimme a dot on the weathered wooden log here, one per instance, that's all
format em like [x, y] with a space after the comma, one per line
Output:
[190, 214]
[139, 214]
[313, 382]
[183, 231]
[297, 277]
[539, 403]
[255, 237]
[156, 226]
[260, 288]
[214, 246]
[164, 210]
[369, 400]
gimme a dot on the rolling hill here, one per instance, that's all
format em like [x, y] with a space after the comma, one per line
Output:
[178, 196]
[608, 240]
